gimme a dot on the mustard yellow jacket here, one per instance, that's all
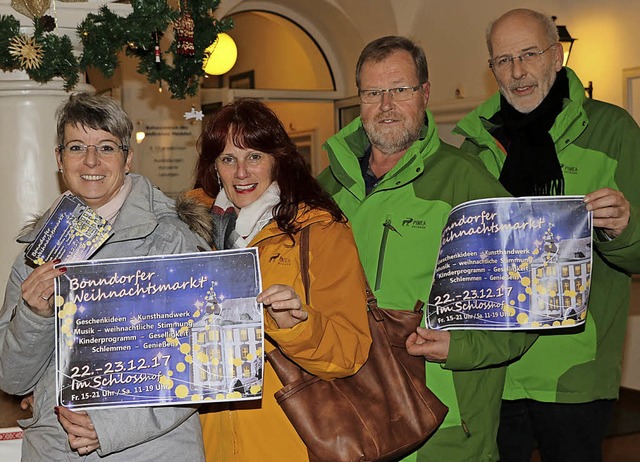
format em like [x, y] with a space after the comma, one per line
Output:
[333, 342]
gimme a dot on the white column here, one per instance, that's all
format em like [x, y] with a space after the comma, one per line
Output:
[29, 181]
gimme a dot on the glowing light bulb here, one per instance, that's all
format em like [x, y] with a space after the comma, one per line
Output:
[220, 56]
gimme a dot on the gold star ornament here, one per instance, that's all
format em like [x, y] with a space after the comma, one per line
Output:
[27, 50]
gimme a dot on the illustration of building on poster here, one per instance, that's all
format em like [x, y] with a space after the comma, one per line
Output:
[159, 330]
[513, 264]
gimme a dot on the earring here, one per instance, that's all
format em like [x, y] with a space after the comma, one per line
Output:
[60, 170]
[219, 181]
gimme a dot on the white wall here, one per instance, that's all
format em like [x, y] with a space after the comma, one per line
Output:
[630, 369]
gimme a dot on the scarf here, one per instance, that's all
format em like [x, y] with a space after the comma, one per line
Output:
[235, 231]
[532, 167]
[111, 209]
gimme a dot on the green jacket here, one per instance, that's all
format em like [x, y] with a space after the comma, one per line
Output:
[598, 146]
[397, 228]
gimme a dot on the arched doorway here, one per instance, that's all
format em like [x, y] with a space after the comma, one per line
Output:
[280, 63]
[277, 52]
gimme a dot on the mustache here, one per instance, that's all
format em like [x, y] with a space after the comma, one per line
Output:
[387, 115]
[517, 85]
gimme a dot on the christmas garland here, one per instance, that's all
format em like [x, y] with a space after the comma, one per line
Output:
[45, 55]
[42, 55]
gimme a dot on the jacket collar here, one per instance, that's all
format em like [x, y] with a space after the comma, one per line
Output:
[305, 216]
[349, 145]
[569, 124]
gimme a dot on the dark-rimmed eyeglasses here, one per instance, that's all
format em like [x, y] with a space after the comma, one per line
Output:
[528, 57]
[104, 148]
[397, 94]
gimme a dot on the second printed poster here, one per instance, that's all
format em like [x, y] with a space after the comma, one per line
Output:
[512, 264]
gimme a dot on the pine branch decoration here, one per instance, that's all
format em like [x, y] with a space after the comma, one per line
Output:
[9, 28]
[104, 34]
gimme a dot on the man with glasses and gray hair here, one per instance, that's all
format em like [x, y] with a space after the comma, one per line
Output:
[541, 136]
[396, 181]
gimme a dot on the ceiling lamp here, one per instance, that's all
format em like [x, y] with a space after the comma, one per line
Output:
[220, 56]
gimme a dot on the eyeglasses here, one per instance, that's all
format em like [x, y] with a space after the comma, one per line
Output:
[103, 149]
[397, 94]
[528, 57]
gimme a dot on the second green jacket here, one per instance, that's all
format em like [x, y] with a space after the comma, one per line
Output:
[598, 146]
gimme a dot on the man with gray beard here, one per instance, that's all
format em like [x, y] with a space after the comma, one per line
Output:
[396, 181]
[541, 136]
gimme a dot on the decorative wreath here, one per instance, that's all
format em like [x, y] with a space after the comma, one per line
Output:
[45, 54]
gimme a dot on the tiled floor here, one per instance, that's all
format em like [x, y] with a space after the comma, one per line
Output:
[616, 449]
[622, 448]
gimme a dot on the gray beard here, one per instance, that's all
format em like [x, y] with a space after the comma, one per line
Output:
[392, 145]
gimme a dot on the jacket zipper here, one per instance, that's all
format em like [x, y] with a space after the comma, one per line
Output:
[383, 246]
[465, 428]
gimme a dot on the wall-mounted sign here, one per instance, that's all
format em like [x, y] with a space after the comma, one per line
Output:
[167, 155]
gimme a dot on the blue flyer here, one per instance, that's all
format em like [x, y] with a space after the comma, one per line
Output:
[73, 232]
[159, 330]
[513, 264]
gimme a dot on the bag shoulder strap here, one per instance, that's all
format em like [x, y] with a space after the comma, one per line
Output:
[304, 262]
[372, 301]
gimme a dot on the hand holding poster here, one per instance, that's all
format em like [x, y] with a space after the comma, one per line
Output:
[513, 263]
[159, 330]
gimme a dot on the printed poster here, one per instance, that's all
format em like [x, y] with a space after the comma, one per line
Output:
[513, 264]
[159, 330]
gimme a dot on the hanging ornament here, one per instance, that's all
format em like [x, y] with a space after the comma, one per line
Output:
[184, 27]
[31, 8]
[156, 49]
[193, 114]
[47, 23]
[27, 50]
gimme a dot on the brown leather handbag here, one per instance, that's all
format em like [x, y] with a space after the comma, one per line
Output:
[381, 413]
